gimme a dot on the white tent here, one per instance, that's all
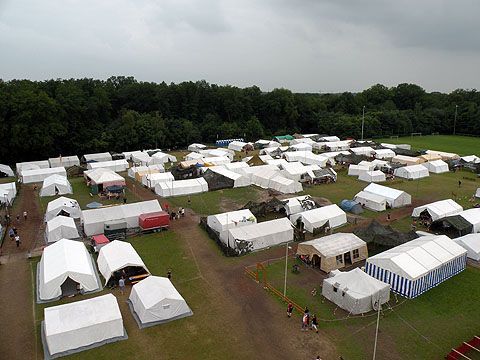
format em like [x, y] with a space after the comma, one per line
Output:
[118, 255]
[471, 243]
[362, 150]
[471, 159]
[473, 217]
[181, 187]
[283, 185]
[221, 223]
[355, 291]
[151, 180]
[395, 198]
[194, 156]
[94, 220]
[81, 325]
[307, 157]
[104, 176]
[370, 164]
[444, 155]
[236, 166]
[298, 204]
[274, 150]
[61, 227]
[277, 162]
[407, 160]
[305, 140]
[56, 185]
[38, 175]
[337, 145]
[8, 192]
[329, 138]
[296, 170]
[63, 206]
[438, 209]
[372, 176]
[267, 144]
[258, 236]
[144, 170]
[97, 157]
[264, 158]
[31, 165]
[356, 170]
[411, 172]
[301, 147]
[218, 153]
[330, 215]
[65, 161]
[216, 160]
[371, 201]
[261, 170]
[195, 147]
[436, 166]
[140, 158]
[114, 165]
[477, 193]
[418, 265]
[238, 180]
[384, 154]
[65, 259]
[155, 300]
[162, 158]
[7, 170]
[238, 145]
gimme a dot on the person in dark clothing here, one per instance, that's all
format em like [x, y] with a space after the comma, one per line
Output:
[315, 323]
[169, 274]
[289, 309]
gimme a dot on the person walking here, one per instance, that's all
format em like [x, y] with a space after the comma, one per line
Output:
[305, 322]
[11, 233]
[121, 284]
[17, 240]
[169, 274]
[25, 214]
[18, 219]
[289, 309]
[315, 323]
[15, 231]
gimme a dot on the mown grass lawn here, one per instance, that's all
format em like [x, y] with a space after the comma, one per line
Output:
[462, 145]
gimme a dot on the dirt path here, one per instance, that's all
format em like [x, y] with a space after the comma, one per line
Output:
[17, 329]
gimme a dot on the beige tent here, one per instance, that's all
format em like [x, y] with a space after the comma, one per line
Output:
[334, 251]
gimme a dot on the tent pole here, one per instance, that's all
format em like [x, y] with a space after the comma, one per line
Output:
[376, 330]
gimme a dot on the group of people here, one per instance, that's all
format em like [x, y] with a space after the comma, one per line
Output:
[13, 231]
[308, 321]
[177, 215]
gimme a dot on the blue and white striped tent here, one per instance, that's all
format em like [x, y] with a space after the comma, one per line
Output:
[418, 265]
[225, 142]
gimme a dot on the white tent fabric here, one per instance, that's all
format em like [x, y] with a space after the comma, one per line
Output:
[63, 206]
[370, 164]
[356, 292]
[94, 220]
[274, 150]
[238, 145]
[114, 165]
[283, 185]
[151, 180]
[261, 175]
[439, 209]
[103, 176]
[407, 160]
[471, 243]
[444, 155]
[162, 158]
[221, 223]
[277, 162]
[6, 170]
[56, 185]
[477, 193]
[356, 170]
[150, 169]
[395, 198]
[238, 180]
[436, 166]
[236, 166]
[384, 154]
[98, 157]
[362, 150]
[473, 217]
[298, 204]
[258, 236]
[61, 227]
[61, 260]
[411, 172]
[117, 255]
[418, 265]
[337, 145]
[301, 147]
[331, 215]
[195, 147]
[88, 323]
[216, 160]
[8, 192]
[218, 153]
[372, 176]
[371, 201]
[308, 158]
[194, 156]
[264, 158]
[329, 138]
[38, 175]
[295, 170]
[471, 159]
[65, 161]
[181, 187]
[31, 165]
[304, 140]
[155, 300]
[139, 158]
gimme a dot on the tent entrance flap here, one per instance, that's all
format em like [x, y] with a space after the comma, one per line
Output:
[316, 261]
[69, 287]
[347, 258]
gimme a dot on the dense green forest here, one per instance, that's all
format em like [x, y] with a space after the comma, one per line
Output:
[44, 119]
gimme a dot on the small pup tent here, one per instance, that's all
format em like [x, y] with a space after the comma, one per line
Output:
[471, 243]
[221, 223]
[63, 206]
[395, 198]
[65, 267]
[411, 172]
[56, 185]
[81, 325]
[418, 265]
[117, 256]
[258, 236]
[327, 216]
[155, 300]
[356, 292]
[334, 251]
[437, 210]
[436, 166]
[61, 227]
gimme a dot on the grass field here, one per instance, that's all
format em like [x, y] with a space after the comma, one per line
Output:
[447, 315]
[462, 145]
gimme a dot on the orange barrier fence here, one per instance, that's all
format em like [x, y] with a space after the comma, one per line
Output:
[461, 351]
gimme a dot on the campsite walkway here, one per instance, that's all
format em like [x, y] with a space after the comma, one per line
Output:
[16, 313]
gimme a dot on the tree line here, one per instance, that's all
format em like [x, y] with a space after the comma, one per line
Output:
[41, 119]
